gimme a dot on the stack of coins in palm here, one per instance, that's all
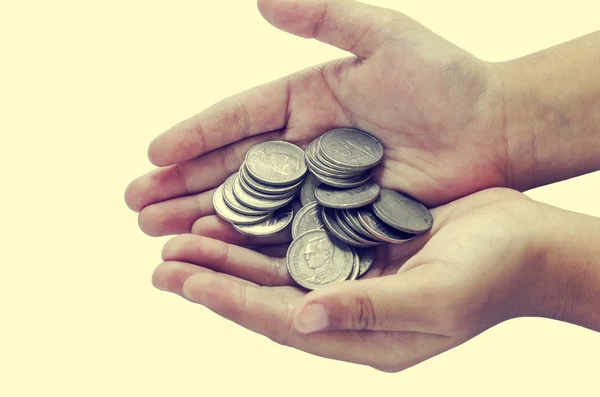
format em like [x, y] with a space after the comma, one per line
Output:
[344, 214]
[257, 199]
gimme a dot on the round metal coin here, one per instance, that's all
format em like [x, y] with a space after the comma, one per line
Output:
[351, 148]
[381, 230]
[275, 224]
[351, 218]
[308, 218]
[276, 163]
[307, 192]
[267, 189]
[330, 221]
[402, 212]
[344, 183]
[258, 194]
[356, 267]
[323, 167]
[351, 232]
[230, 215]
[366, 259]
[317, 259]
[318, 156]
[233, 202]
[256, 202]
[357, 197]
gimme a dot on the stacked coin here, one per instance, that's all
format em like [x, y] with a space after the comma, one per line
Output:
[343, 157]
[352, 213]
[257, 199]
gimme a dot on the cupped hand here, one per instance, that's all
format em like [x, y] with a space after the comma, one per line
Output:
[478, 266]
[437, 110]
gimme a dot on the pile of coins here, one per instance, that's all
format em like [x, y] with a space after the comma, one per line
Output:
[257, 199]
[344, 214]
[343, 157]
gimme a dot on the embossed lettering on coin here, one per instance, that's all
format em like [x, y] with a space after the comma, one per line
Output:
[351, 148]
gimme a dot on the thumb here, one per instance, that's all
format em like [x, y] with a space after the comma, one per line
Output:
[346, 24]
[415, 300]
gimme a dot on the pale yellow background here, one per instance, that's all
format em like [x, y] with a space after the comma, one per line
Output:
[84, 87]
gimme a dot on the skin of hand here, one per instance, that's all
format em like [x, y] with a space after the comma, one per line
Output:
[487, 259]
[451, 125]
[437, 110]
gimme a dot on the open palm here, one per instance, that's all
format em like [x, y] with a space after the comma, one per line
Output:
[434, 107]
[474, 269]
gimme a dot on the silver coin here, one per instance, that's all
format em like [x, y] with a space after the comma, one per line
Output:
[341, 222]
[233, 202]
[351, 148]
[255, 202]
[317, 259]
[307, 192]
[308, 218]
[268, 189]
[351, 218]
[402, 212]
[230, 215]
[276, 163]
[258, 194]
[313, 160]
[334, 228]
[357, 197]
[275, 224]
[317, 153]
[366, 259]
[344, 183]
[381, 230]
[356, 266]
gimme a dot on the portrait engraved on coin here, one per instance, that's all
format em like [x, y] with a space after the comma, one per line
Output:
[318, 254]
[316, 259]
[276, 162]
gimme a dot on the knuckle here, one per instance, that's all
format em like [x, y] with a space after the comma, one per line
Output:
[172, 246]
[361, 313]
[231, 159]
[274, 271]
[150, 221]
[281, 333]
[199, 130]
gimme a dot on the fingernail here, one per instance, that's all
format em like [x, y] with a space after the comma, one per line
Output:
[313, 318]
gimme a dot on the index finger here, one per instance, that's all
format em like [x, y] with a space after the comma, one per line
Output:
[252, 112]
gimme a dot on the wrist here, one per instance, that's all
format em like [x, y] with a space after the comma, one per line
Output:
[567, 262]
[520, 122]
[551, 113]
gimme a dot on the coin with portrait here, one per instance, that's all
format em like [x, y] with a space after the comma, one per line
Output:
[276, 163]
[316, 259]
